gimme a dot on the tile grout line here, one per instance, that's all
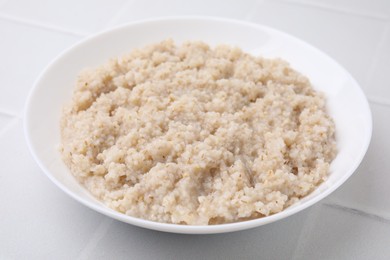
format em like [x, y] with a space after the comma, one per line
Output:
[358, 212]
[115, 18]
[41, 25]
[13, 122]
[9, 114]
[377, 52]
[335, 9]
[96, 237]
[312, 217]
[306, 229]
[379, 101]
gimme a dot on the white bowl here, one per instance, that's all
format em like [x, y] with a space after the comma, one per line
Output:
[346, 101]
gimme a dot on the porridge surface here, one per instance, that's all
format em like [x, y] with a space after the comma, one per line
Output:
[196, 135]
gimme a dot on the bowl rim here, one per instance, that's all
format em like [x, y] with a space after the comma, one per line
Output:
[192, 229]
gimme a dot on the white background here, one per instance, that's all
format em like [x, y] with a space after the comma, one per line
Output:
[38, 221]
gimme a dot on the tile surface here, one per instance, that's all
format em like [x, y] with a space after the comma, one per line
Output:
[37, 218]
[5, 120]
[24, 54]
[150, 8]
[378, 78]
[80, 16]
[2, 2]
[337, 34]
[258, 243]
[375, 8]
[337, 234]
[368, 188]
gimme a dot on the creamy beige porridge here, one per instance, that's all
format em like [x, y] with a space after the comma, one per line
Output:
[196, 135]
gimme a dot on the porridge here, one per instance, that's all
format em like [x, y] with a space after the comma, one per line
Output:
[191, 134]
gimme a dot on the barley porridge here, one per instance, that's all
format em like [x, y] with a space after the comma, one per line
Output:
[195, 135]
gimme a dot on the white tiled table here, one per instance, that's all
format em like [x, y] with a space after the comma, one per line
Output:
[38, 221]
